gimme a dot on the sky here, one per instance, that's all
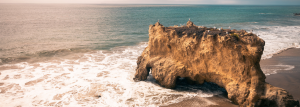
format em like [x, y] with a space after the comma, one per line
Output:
[237, 2]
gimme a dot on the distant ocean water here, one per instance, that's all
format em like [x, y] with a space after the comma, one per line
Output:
[71, 54]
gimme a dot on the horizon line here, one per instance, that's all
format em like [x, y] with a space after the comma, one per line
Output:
[160, 4]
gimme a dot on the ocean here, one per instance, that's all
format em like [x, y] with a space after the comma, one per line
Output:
[85, 54]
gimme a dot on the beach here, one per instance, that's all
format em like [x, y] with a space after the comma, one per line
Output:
[288, 79]
[70, 54]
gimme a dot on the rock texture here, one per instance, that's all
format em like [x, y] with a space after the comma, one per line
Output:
[229, 58]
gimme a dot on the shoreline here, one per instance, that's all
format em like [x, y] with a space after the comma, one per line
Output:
[288, 79]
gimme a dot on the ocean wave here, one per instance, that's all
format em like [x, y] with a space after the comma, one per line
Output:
[278, 38]
[265, 13]
[41, 56]
[101, 78]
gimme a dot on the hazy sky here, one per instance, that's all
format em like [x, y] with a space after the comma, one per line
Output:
[250, 2]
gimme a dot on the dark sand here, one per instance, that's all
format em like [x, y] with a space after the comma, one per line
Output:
[286, 79]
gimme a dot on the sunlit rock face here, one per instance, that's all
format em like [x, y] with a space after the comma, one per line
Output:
[229, 58]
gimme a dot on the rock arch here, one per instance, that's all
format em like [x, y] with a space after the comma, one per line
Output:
[229, 58]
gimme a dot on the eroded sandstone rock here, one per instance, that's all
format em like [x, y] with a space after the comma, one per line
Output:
[229, 58]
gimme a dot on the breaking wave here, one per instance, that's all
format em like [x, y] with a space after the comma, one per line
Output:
[102, 78]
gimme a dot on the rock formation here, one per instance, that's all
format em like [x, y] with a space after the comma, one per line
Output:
[229, 58]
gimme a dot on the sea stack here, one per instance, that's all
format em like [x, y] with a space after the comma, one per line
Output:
[231, 60]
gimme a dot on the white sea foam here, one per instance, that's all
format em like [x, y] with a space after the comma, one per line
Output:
[102, 79]
[278, 38]
[265, 13]
[273, 69]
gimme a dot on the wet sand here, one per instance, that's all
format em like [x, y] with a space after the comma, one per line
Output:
[215, 101]
[286, 79]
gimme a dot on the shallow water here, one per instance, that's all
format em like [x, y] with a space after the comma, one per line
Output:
[103, 78]
[85, 55]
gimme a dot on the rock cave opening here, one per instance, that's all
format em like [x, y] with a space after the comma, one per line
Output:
[185, 84]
